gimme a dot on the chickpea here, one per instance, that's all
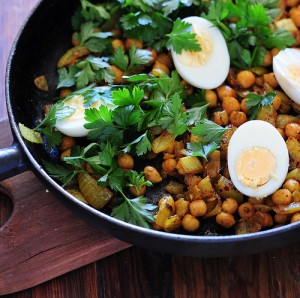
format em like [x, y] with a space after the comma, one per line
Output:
[295, 217]
[211, 97]
[224, 91]
[65, 153]
[276, 102]
[280, 218]
[153, 55]
[118, 74]
[138, 191]
[292, 3]
[244, 106]
[282, 197]
[225, 220]
[237, 118]
[275, 51]
[270, 79]
[268, 59]
[164, 59]
[198, 208]
[291, 185]
[245, 78]
[295, 15]
[66, 143]
[118, 43]
[190, 223]
[169, 165]
[230, 104]
[161, 66]
[230, 205]
[282, 132]
[246, 210]
[89, 169]
[64, 92]
[130, 42]
[125, 161]
[189, 89]
[221, 118]
[293, 130]
[152, 174]
[266, 220]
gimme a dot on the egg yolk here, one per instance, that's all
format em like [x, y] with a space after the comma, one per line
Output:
[294, 73]
[195, 59]
[255, 166]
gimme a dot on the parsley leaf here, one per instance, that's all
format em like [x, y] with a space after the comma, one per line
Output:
[255, 101]
[143, 145]
[181, 38]
[67, 76]
[136, 179]
[200, 149]
[208, 131]
[135, 211]
[60, 173]
[123, 97]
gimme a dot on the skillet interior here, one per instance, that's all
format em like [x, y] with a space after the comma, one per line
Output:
[42, 41]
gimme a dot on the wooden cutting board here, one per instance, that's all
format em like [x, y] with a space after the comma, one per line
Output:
[43, 239]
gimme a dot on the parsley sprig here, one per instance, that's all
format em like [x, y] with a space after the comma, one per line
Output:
[135, 211]
[251, 35]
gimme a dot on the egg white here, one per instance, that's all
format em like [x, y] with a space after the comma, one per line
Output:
[258, 133]
[73, 125]
[289, 83]
[214, 68]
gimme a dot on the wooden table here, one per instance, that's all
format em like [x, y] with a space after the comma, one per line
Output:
[136, 272]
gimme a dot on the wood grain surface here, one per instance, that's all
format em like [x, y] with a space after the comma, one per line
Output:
[137, 272]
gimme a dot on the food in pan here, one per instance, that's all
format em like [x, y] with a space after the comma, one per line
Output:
[174, 115]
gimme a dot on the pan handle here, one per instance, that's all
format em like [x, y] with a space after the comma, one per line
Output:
[12, 161]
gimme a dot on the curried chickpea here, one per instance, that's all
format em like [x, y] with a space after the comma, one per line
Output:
[125, 161]
[152, 174]
[268, 59]
[266, 220]
[293, 130]
[224, 91]
[66, 143]
[190, 223]
[244, 106]
[221, 118]
[130, 42]
[275, 51]
[282, 197]
[198, 208]
[64, 92]
[65, 153]
[292, 3]
[280, 218]
[230, 205]
[225, 220]
[169, 165]
[165, 59]
[295, 217]
[270, 79]
[138, 191]
[282, 132]
[246, 210]
[211, 97]
[295, 15]
[118, 43]
[161, 66]
[291, 185]
[118, 74]
[230, 104]
[245, 78]
[237, 118]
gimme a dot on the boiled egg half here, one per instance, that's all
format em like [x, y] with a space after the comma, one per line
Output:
[73, 125]
[286, 67]
[258, 159]
[208, 68]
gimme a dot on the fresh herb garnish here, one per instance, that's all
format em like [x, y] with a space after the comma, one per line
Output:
[135, 211]
[182, 39]
[255, 101]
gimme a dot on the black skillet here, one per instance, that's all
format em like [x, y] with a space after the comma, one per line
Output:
[41, 42]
